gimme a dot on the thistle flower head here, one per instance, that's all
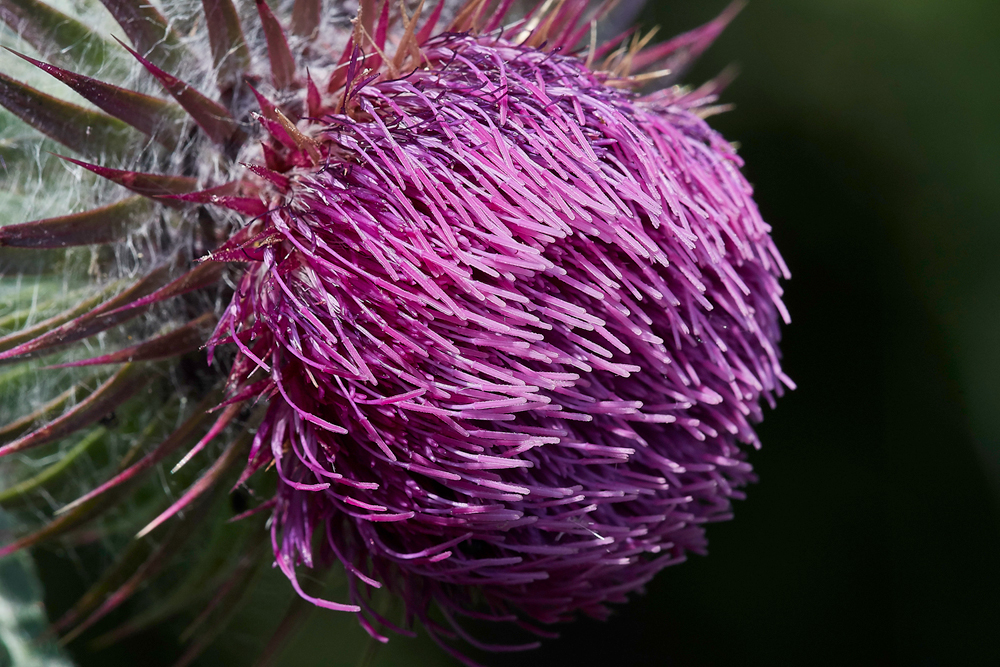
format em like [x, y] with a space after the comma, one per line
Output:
[491, 324]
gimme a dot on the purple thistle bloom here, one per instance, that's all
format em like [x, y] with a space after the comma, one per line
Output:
[510, 321]
[514, 325]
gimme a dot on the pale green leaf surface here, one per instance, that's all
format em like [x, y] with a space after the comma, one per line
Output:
[22, 615]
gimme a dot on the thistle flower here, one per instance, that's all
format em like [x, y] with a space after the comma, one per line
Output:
[485, 325]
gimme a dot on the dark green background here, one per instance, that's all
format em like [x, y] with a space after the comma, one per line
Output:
[871, 129]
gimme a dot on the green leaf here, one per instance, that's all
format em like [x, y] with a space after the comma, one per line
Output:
[22, 616]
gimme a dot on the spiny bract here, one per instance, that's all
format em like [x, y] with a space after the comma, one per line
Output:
[484, 325]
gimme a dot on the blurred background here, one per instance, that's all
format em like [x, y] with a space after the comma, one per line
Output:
[871, 131]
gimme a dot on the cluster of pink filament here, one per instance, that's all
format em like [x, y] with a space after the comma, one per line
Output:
[512, 330]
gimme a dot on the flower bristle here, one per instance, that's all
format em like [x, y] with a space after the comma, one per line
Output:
[491, 322]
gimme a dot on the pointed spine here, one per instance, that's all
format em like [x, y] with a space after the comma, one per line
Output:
[89, 323]
[147, 185]
[282, 62]
[314, 102]
[306, 17]
[211, 116]
[184, 339]
[148, 31]
[246, 205]
[12, 340]
[407, 46]
[124, 384]
[204, 274]
[589, 24]
[428, 28]
[15, 428]
[229, 48]
[567, 24]
[228, 414]
[230, 455]
[149, 570]
[280, 180]
[180, 437]
[466, 17]
[100, 225]
[681, 51]
[150, 115]
[498, 16]
[87, 132]
[14, 495]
